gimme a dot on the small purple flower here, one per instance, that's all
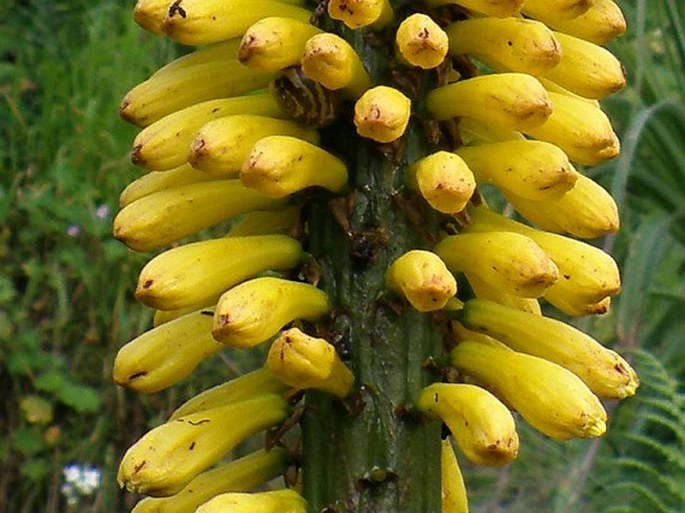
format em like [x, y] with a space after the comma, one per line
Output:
[102, 211]
[73, 230]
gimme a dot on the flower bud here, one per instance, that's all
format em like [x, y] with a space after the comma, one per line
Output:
[303, 362]
[482, 426]
[444, 180]
[255, 310]
[421, 41]
[276, 501]
[168, 457]
[382, 114]
[549, 397]
[423, 279]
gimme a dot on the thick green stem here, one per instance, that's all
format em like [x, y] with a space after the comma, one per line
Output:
[367, 454]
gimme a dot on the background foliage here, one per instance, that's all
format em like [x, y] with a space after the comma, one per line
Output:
[66, 286]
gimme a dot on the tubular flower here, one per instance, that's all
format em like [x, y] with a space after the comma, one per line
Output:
[482, 426]
[302, 361]
[307, 170]
[423, 278]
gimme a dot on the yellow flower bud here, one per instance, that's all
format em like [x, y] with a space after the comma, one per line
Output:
[199, 272]
[586, 211]
[545, 10]
[452, 486]
[462, 333]
[252, 384]
[587, 69]
[549, 397]
[264, 222]
[505, 260]
[601, 23]
[532, 169]
[331, 61]
[423, 279]
[484, 290]
[149, 14]
[361, 13]
[255, 310]
[274, 43]
[482, 426]
[382, 114]
[604, 371]
[579, 128]
[508, 100]
[236, 476]
[200, 23]
[169, 456]
[303, 361]
[221, 146]
[589, 274]
[444, 180]
[166, 354]
[421, 41]
[276, 501]
[280, 165]
[506, 44]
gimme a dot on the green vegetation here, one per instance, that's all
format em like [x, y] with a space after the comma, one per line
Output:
[66, 301]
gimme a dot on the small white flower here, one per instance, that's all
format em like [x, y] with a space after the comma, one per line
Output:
[71, 473]
[69, 493]
[80, 481]
[102, 211]
[90, 480]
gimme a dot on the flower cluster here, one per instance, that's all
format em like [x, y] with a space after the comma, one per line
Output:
[233, 133]
[79, 481]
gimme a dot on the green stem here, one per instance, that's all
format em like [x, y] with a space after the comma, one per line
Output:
[367, 454]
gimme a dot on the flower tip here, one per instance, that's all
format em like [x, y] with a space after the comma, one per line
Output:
[421, 41]
[382, 114]
[631, 387]
[595, 427]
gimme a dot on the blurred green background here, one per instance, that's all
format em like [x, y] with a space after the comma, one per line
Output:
[66, 286]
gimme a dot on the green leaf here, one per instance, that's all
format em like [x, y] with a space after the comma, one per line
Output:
[7, 292]
[28, 441]
[35, 469]
[51, 381]
[648, 245]
[79, 397]
[83, 399]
